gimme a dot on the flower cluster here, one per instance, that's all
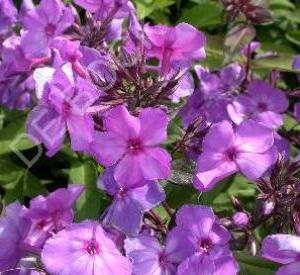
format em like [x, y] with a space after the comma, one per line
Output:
[92, 75]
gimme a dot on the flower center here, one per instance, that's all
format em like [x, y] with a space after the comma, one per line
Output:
[205, 245]
[66, 107]
[162, 259]
[122, 192]
[93, 247]
[231, 154]
[134, 145]
[261, 106]
[50, 29]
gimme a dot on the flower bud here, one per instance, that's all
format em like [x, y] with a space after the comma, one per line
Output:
[268, 207]
[240, 219]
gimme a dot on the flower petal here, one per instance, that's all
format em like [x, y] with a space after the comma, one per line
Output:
[254, 165]
[253, 137]
[281, 248]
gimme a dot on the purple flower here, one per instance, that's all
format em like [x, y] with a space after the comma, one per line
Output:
[213, 95]
[132, 144]
[8, 16]
[184, 88]
[149, 257]
[15, 91]
[13, 56]
[51, 214]
[68, 51]
[263, 103]
[84, 249]
[248, 149]
[26, 6]
[130, 202]
[63, 106]
[50, 19]
[182, 44]
[283, 249]
[198, 229]
[102, 8]
[13, 230]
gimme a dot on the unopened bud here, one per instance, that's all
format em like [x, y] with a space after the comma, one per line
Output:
[268, 207]
[240, 219]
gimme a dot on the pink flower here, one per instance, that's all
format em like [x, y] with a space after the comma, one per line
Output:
[132, 144]
[51, 214]
[283, 249]
[13, 230]
[172, 45]
[249, 149]
[84, 249]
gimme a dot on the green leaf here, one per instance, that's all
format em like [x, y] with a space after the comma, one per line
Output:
[32, 186]
[146, 7]
[294, 37]
[84, 172]
[18, 182]
[214, 51]
[250, 265]
[9, 172]
[281, 4]
[204, 15]
[282, 62]
[13, 137]
[220, 197]
[179, 195]
[92, 202]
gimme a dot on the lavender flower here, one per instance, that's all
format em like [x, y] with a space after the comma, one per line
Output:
[50, 214]
[8, 16]
[103, 8]
[149, 257]
[214, 94]
[13, 231]
[132, 144]
[182, 44]
[283, 249]
[84, 249]
[50, 19]
[248, 149]
[199, 229]
[263, 103]
[129, 200]
[63, 106]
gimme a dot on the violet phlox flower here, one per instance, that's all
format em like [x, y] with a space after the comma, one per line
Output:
[132, 144]
[85, 249]
[42, 24]
[215, 92]
[51, 214]
[283, 249]
[63, 106]
[172, 45]
[150, 257]
[13, 231]
[198, 229]
[130, 202]
[261, 102]
[248, 149]
[104, 8]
